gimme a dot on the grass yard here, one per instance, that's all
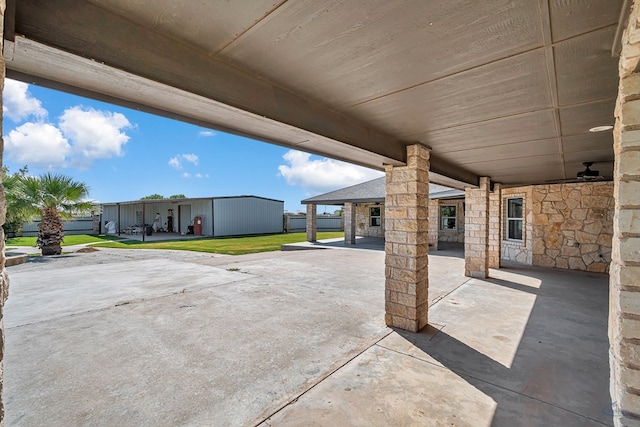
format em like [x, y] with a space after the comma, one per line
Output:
[76, 239]
[224, 245]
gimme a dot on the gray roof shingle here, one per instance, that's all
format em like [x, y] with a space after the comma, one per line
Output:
[373, 191]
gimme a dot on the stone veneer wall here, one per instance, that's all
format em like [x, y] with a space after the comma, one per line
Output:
[566, 226]
[363, 227]
[513, 250]
[434, 215]
[573, 225]
[456, 235]
[495, 226]
[624, 277]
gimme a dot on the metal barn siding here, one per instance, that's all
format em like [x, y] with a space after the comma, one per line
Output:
[83, 225]
[109, 213]
[202, 208]
[234, 216]
[130, 213]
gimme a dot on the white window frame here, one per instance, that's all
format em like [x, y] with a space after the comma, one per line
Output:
[509, 219]
[372, 217]
[446, 218]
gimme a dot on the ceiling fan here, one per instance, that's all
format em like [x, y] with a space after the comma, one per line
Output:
[586, 175]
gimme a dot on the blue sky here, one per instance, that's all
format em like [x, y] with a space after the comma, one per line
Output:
[125, 154]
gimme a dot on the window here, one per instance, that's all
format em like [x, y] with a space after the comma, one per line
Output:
[374, 216]
[514, 218]
[448, 217]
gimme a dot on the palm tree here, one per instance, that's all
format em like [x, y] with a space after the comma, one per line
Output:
[16, 213]
[53, 197]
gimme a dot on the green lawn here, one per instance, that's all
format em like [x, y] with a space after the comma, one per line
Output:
[224, 245]
[77, 239]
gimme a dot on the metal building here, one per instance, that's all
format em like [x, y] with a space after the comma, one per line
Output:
[206, 216]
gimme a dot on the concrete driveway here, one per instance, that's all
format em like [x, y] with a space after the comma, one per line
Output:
[162, 338]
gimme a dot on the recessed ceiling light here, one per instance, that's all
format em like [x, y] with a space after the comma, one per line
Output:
[601, 128]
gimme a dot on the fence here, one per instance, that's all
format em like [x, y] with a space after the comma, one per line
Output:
[298, 223]
[82, 225]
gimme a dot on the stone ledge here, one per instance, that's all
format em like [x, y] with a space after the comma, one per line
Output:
[12, 260]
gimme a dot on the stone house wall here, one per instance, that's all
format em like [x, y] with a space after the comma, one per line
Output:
[565, 226]
[434, 213]
[573, 225]
[456, 235]
[516, 250]
[363, 224]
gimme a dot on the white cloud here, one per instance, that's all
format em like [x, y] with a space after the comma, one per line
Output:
[38, 144]
[324, 174]
[176, 162]
[18, 104]
[195, 175]
[94, 134]
[206, 133]
[192, 158]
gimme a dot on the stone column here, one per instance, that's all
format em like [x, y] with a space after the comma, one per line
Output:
[407, 241]
[476, 230]
[95, 223]
[4, 277]
[495, 226]
[312, 223]
[624, 273]
[434, 223]
[349, 224]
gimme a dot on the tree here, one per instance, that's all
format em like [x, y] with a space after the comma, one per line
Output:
[178, 196]
[54, 197]
[17, 213]
[154, 196]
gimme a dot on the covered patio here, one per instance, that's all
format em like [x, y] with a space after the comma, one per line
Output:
[489, 97]
[199, 343]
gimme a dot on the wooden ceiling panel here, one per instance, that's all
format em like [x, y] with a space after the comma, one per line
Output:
[579, 119]
[344, 53]
[532, 126]
[570, 18]
[588, 141]
[503, 88]
[525, 164]
[506, 152]
[579, 157]
[585, 69]
[209, 25]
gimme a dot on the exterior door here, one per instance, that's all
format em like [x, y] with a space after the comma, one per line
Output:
[184, 218]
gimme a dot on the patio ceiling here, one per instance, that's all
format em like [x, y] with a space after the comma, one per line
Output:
[501, 89]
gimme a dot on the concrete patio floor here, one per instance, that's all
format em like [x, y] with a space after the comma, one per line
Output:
[161, 338]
